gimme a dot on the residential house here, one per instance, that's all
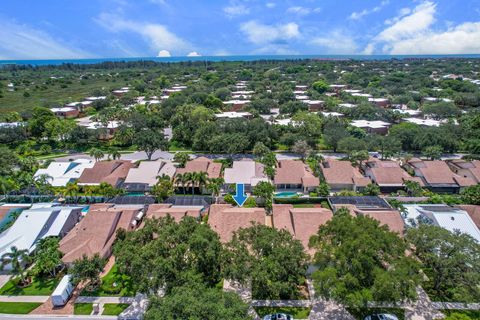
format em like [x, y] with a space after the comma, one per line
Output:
[473, 211]
[145, 176]
[379, 127]
[59, 174]
[65, 112]
[447, 217]
[202, 164]
[388, 175]
[226, 219]
[437, 176]
[247, 172]
[466, 169]
[112, 172]
[373, 207]
[38, 223]
[380, 102]
[315, 105]
[161, 210]
[9, 210]
[294, 175]
[236, 105]
[425, 122]
[96, 232]
[302, 223]
[338, 87]
[234, 115]
[342, 175]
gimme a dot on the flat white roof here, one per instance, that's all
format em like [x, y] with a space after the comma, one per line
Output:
[369, 124]
[60, 173]
[233, 115]
[244, 171]
[424, 122]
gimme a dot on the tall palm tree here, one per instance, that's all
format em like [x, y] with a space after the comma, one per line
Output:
[96, 153]
[189, 179]
[115, 154]
[42, 183]
[17, 259]
[180, 180]
[214, 185]
[71, 190]
[5, 185]
[201, 178]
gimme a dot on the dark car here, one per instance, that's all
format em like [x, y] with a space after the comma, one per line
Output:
[278, 316]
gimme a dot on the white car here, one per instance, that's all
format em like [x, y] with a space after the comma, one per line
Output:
[278, 316]
[381, 316]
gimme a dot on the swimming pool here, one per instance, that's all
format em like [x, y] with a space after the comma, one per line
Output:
[286, 194]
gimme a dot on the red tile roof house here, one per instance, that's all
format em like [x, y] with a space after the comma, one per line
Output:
[437, 176]
[111, 172]
[96, 232]
[294, 175]
[388, 175]
[473, 211]
[466, 169]
[161, 210]
[226, 219]
[302, 223]
[202, 164]
[341, 175]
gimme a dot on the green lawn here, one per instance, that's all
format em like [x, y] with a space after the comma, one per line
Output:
[473, 314]
[18, 307]
[296, 313]
[304, 205]
[38, 287]
[114, 309]
[113, 284]
[361, 314]
[82, 308]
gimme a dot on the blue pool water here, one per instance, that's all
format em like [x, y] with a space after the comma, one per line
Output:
[286, 194]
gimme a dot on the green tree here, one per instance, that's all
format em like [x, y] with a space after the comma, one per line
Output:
[321, 86]
[469, 195]
[451, 262]
[413, 188]
[260, 149]
[372, 189]
[195, 301]
[97, 154]
[164, 254]
[302, 148]
[270, 259]
[17, 260]
[47, 258]
[358, 157]
[457, 316]
[361, 261]
[265, 190]
[433, 152]
[181, 158]
[114, 154]
[88, 270]
[163, 189]
[214, 185]
[150, 140]
[333, 132]
[323, 190]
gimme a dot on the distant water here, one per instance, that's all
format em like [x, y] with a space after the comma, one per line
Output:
[237, 58]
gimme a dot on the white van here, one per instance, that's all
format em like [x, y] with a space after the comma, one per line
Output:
[62, 292]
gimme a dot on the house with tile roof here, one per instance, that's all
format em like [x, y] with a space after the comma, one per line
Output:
[59, 174]
[388, 175]
[294, 175]
[473, 211]
[96, 232]
[161, 210]
[342, 175]
[226, 219]
[144, 177]
[202, 164]
[437, 176]
[466, 169]
[111, 172]
[245, 171]
[302, 223]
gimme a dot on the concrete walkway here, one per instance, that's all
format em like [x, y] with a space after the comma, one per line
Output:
[84, 299]
[137, 309]
[38, 299]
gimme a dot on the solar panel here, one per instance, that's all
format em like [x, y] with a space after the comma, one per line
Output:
[142, 200]
[439, 208]
[361, 202]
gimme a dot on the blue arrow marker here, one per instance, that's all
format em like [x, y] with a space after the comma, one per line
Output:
[240, 197]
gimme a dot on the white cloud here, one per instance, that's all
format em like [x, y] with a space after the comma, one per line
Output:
[413, 33]
[236, 10]
[360, 14]
[303, 11]
[164, 54]
[158, 36]
[194, 54]
[19, 41]
[337, 42]
[160, 2]
[270, 5]
[259, 33]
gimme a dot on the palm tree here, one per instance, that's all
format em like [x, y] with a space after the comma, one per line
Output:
[189, 179]
[42, 183]
[71, 190]
[115, 154]
[17, 259]
[214, 185]
[96, 153]
[201, 178]
[180, 180]
[5, 186]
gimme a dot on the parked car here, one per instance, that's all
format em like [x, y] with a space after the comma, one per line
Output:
[278, 316]
[381, 316]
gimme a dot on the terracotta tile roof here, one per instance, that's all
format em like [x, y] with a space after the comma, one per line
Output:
[202, 164]
[295, 172]
[473, 211]
[302, 223]
[438, 172]
[95, 233]
[390, 218]
[161, 210]
[111, 172]
[388, 173]
[472, 166]
[225, 219]
[342, 172]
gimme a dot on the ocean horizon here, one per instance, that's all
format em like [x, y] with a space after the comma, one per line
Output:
[234, 58]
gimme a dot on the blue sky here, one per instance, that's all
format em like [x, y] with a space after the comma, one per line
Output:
[56, 29]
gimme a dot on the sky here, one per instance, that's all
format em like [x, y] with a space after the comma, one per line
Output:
[72, 29]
